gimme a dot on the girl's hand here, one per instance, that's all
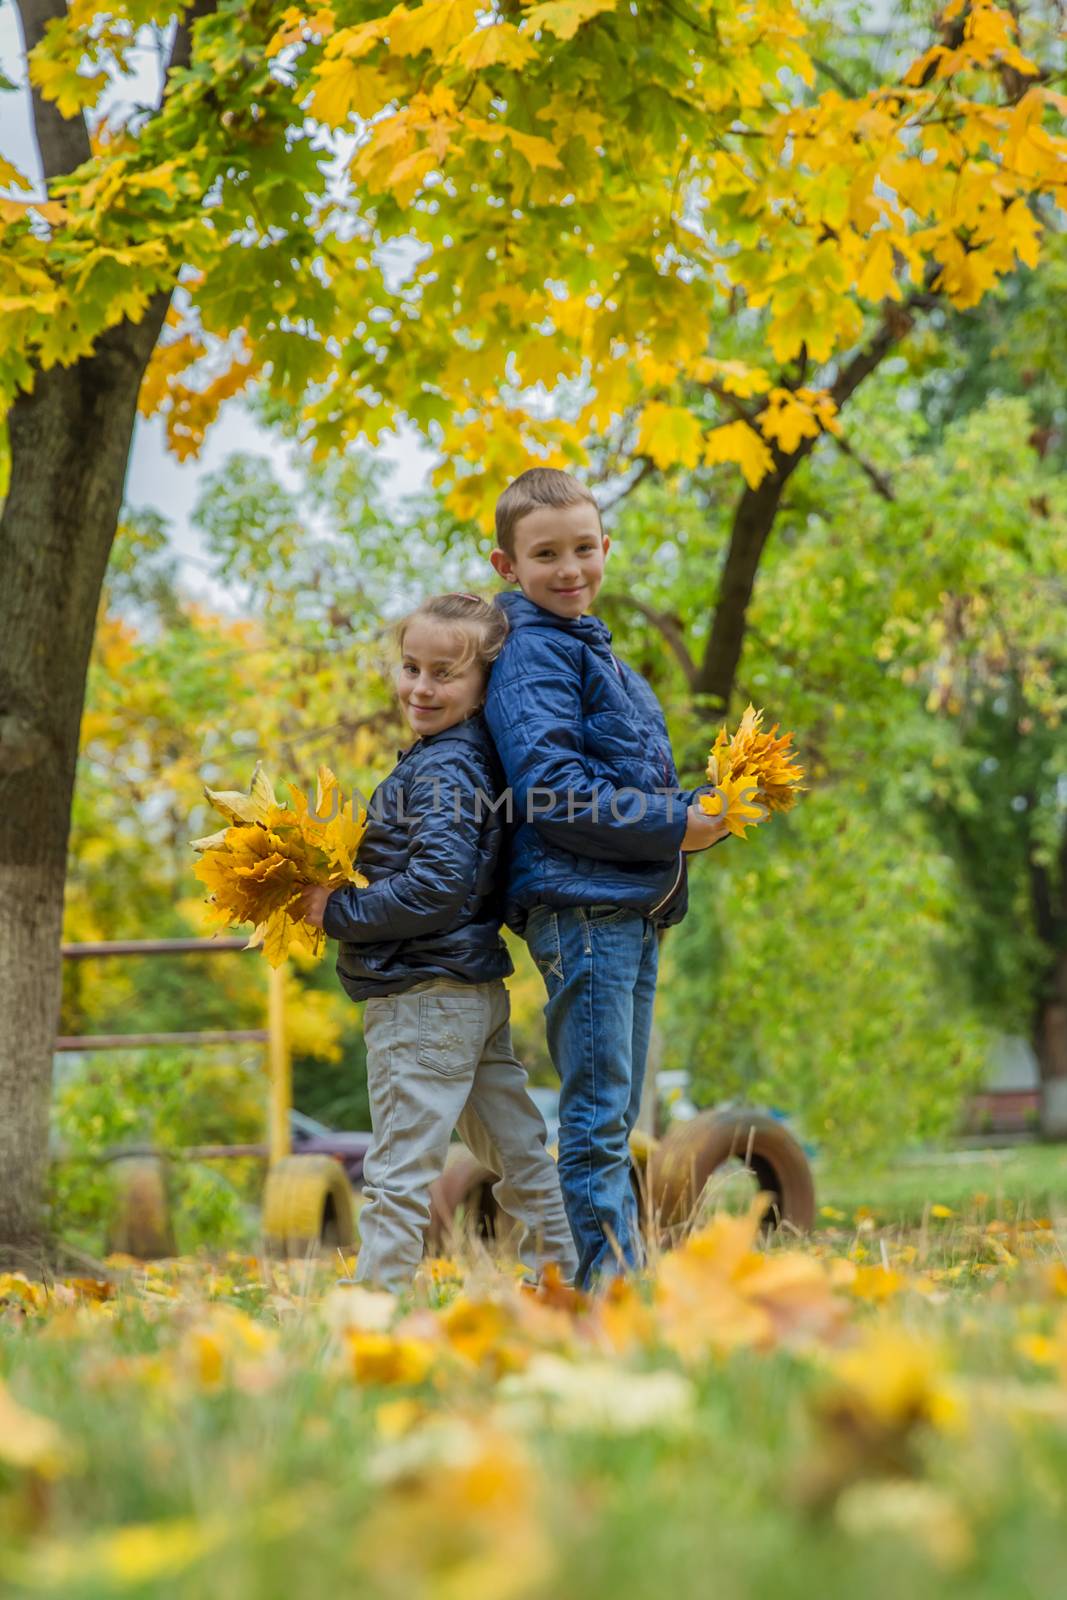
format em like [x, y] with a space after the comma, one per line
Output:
[702, 831]
[312, 904]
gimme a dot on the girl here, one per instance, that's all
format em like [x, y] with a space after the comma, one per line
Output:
[421, 945]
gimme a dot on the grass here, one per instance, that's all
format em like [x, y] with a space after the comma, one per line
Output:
[881, 1410]
[1022, 1180]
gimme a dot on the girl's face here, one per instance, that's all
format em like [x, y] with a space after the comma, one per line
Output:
[434, 692]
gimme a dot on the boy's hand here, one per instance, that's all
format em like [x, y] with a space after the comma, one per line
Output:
[312, 904]
[702, 830]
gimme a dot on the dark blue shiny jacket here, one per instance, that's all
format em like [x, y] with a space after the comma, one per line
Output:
[431, 851]
[584, 747]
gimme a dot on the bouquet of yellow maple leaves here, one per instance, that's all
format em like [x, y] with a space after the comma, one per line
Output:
[258, 866]
[753, 774]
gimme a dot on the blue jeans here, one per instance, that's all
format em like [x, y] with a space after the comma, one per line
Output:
[599, 965]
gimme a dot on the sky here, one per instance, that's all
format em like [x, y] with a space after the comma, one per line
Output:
[156, 479]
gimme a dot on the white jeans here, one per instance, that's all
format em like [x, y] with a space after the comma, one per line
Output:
[439, 1057]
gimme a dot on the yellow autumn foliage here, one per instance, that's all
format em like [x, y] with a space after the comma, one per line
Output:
[257, 867]
[754, 773]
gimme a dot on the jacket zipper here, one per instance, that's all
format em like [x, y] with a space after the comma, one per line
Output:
[674, 885]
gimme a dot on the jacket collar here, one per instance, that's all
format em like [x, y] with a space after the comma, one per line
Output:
[524, 613]
[471, 731]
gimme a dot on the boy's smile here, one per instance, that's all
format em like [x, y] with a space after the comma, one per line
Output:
[559, 557]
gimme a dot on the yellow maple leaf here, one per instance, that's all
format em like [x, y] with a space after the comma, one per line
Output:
[565, 17]
[256, 869]
[718, 1293]
[740, 443]
[734, 802]
[786, 420]
[670, 435]
[361, 39]
[486, 47]
[405, 178]
[896, 1379]
[294, 23]
[10, 174]
[345, 86]
[251, 807]
[385, 1358]
[537, 151]
[877, 279]
[436, 25]
[754, 771]
[62, 83]
[736, 377]
[30, 1442]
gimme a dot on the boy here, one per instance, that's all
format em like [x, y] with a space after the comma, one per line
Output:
[597, 860]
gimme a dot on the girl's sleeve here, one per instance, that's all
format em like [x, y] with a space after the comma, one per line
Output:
[534, 712]
[446, 810]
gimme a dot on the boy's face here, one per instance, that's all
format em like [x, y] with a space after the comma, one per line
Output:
[559, 558]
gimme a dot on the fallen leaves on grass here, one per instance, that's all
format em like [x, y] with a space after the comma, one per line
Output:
[467, 1417]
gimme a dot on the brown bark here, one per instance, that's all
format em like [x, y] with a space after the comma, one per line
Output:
[752, 525]
[63, 142]
[70, 441]
[1050, 1047]
[1049, 899]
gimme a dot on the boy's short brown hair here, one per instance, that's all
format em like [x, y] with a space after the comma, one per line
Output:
[538, 486]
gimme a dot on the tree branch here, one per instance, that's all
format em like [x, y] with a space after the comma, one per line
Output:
[879, 481]
[62, 142]
[671, 629]
[645, 471]
[836, 78]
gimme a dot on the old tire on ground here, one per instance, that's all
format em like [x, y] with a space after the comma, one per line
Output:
[461, 1200]
[643, 1148]
[683, 1162]
[307, 1204]
[139, 1223]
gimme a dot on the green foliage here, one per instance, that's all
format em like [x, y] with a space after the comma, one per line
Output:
[168, 1099]
[815, 973]
[851, 961]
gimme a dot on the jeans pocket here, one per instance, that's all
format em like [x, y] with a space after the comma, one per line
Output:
[542, 940]
[451, 1031]
[596, 916]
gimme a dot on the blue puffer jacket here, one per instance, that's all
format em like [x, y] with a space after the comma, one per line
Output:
[431, 850]
[584, 747]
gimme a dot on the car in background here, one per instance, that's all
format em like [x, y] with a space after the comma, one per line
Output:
[313, 1138]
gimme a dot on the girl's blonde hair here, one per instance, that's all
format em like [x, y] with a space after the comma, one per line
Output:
[481, 625]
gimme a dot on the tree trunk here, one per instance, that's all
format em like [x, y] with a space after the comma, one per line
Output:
[752, 525]
[1050, 1047]
[70, 441]
[1049, 897]
[757, 509]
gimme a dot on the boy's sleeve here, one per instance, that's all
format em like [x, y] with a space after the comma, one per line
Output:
[534, 712]
[446, 812]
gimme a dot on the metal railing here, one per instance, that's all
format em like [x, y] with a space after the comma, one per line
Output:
[273, 1035]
